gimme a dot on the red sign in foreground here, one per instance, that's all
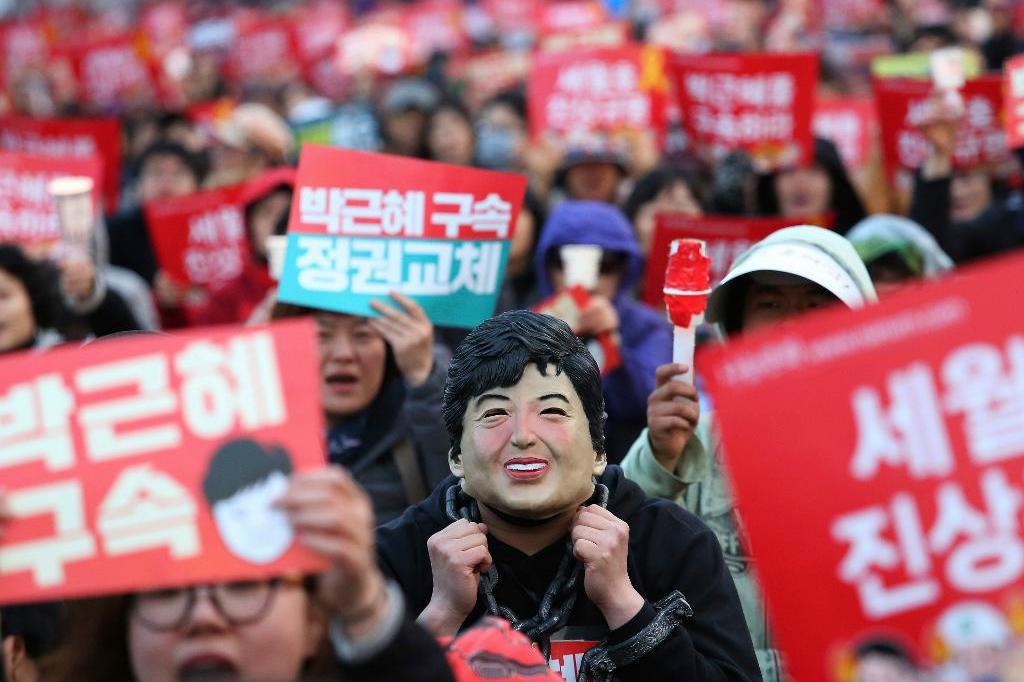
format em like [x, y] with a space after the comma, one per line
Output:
[126, 463]
[878, 458]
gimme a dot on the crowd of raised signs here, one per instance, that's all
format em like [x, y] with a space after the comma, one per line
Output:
[830, 153]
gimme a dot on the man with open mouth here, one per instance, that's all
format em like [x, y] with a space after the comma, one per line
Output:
[536, 528]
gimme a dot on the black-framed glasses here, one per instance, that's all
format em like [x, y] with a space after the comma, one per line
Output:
[240, 602]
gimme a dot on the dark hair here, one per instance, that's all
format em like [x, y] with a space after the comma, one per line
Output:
[169, 148]
[650, 186]
[884, 647]
[514, 99]
[239, 464]
[453, 105]
[38, 626]
[41, 282]
[496, 353]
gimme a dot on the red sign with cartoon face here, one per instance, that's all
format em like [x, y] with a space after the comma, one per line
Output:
[878, 460]
[154, 461]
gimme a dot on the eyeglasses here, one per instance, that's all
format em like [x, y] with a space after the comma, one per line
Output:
[241, 602]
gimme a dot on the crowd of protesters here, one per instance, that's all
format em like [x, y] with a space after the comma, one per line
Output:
[383, 378]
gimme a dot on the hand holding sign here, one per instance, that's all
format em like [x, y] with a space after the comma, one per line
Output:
[78, 277]
[673, 412]
[333, 517]
[410, 334]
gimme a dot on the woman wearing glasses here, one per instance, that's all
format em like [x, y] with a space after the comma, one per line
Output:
[346, 623]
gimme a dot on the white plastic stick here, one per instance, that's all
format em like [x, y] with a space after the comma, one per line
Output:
[683, 343]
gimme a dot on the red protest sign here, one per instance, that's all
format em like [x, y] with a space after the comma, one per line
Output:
[609, 34]
[28, 214]
[200, 239]
[358, 194]
[850, 124]
[761, 103]
[980, 140]
[513, 16]
[124, 462]
[487, 74]
[605, 89]
[727, 237]
[318, 26]
[113, 70]
[435, 26]
[23, 45]
[1013, 86]
[69, 138]
[165, 25]
[570, 15]
[892, 438]
[262, 48]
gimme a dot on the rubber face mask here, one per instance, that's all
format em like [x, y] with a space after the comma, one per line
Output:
[526, 449]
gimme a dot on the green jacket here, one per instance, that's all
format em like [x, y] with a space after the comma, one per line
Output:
[700, 486]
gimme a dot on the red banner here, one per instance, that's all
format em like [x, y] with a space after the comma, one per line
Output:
[200, 239]
[318, 26]
[115, 70]
[165, 25]
[761, 103]
[1013, 74]
[570, 15]
[263, 49]
[850, 124]
[727, 238]
[435, 26]
[28, 214]
[69, 137]
[892, 437]
[124, 462]
[612, 89]
[980, 140]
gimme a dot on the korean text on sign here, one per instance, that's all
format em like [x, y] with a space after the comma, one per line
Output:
[907, 478]
[364, 225]
[105, 453]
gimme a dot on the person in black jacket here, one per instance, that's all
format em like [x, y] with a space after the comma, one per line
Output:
[534, 527]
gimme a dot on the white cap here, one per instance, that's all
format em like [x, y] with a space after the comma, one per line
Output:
[975, 623]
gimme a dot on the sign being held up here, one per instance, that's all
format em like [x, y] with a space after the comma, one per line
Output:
[905, 486]
[364, 225]
[126, 464]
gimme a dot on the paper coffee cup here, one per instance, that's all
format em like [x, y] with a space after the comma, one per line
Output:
[73, 197]
[581, 265]
[276, 245]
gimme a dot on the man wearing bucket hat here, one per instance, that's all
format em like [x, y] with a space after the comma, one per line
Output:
[791, 272]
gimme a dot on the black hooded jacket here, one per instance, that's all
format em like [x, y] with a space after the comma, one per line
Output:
[669, 549]
[846, 206]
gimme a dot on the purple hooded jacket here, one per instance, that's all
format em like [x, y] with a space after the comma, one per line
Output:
[646, 335]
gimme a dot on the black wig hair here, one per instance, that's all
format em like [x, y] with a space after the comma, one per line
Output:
[495, 354]
[241, 463]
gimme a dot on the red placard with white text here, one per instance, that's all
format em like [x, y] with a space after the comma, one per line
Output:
[851, 125]
[607, 90]
[1013, 87]
[125, 462]
[263, 49]
[980, 141]
[890, 440]
[435, 26]
[727, 237]
[28, 214]
[564, 16]
[115, 70]
[165, 25]
[69, 137]
[761, 103]
[200, 239]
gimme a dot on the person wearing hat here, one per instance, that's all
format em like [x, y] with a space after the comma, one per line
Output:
[978, 638]
[592, 170]
[897, 251]
[404, 110]
[252, 140]
[793, 271]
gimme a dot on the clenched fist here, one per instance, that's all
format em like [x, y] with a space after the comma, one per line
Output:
[601, 541]
[458, 555]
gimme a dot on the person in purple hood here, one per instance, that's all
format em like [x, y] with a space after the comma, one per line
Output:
[646, 339]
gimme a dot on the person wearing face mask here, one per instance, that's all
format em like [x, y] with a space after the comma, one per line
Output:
[501, 132]
[792, 272]
[963, 209]
[381, 384]
[536, 527]
[814, 191]
[646, 337]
